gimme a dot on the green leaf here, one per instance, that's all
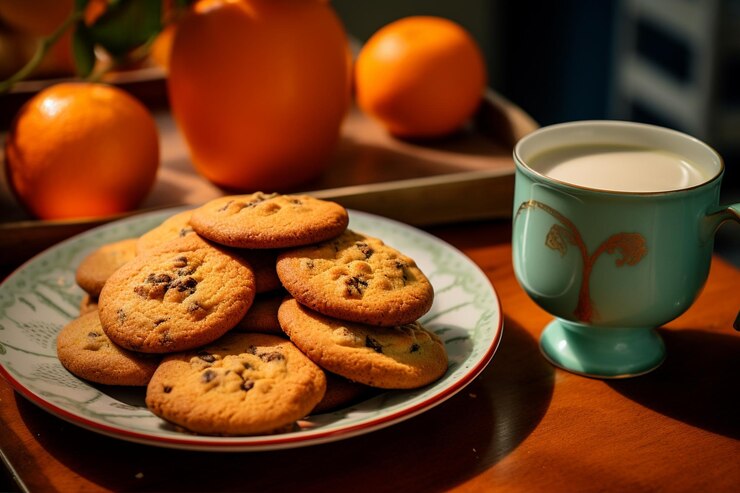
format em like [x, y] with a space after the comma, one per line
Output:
[80, 5]
[83, 50]
[126, 25]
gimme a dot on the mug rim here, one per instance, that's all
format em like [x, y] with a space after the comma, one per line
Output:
[522, 164]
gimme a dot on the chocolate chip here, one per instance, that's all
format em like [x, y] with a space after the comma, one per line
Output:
[181, 261]
[273, 356]
[355, 286]
[159, 321]
[373, 344]
[414, 347]
[207, 376]
[93, 334]
[225, 206]
[184, 284]
[121, 314]
[158, 279]
[257, 199]
[186, 231]
[154, 287]
[247, 385]
[400, 264]
[366, 250]
[207, 357]
[167, 389]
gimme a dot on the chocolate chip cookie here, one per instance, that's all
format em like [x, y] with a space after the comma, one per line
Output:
[182, 295]
[173, 227]
[242, 384]
[85, 350]
[401, 357]
[262, 220]
[358, 278]
[97, 266]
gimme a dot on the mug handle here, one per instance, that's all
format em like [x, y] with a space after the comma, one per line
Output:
[718, 216]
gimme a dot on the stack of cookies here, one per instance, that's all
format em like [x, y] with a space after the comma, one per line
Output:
[251, 312]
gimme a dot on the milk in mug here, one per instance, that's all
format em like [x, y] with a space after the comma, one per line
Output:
[619, 168]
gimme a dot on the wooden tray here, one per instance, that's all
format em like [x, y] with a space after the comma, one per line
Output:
[467, 176]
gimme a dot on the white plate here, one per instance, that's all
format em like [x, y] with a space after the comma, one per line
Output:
[38, 299]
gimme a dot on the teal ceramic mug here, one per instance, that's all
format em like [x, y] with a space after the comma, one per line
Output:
[613, 232]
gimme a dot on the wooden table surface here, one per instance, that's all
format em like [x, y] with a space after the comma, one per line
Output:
[522, 425]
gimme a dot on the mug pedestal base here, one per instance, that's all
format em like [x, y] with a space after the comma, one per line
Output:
[602, 352]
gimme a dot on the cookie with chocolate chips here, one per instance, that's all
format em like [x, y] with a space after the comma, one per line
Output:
[262, 220]
[176, 226]
[85, 350]
[400, 357]
[98, 265]
[357, 278]
[242, 384]
[182, 295]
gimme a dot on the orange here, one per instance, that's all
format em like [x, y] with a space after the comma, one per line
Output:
[160, 51]
[420, 76]
[94, 9]
[259, 89]
[81, 150]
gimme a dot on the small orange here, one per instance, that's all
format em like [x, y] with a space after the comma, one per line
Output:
[160, 50]
[81, 150]
[420, 76]
[259, 89]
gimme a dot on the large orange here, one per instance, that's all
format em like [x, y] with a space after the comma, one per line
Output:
[420, 76]
[259, 89]
[81, 150]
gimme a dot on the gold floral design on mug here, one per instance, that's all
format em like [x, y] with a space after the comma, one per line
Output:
[632, 247]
